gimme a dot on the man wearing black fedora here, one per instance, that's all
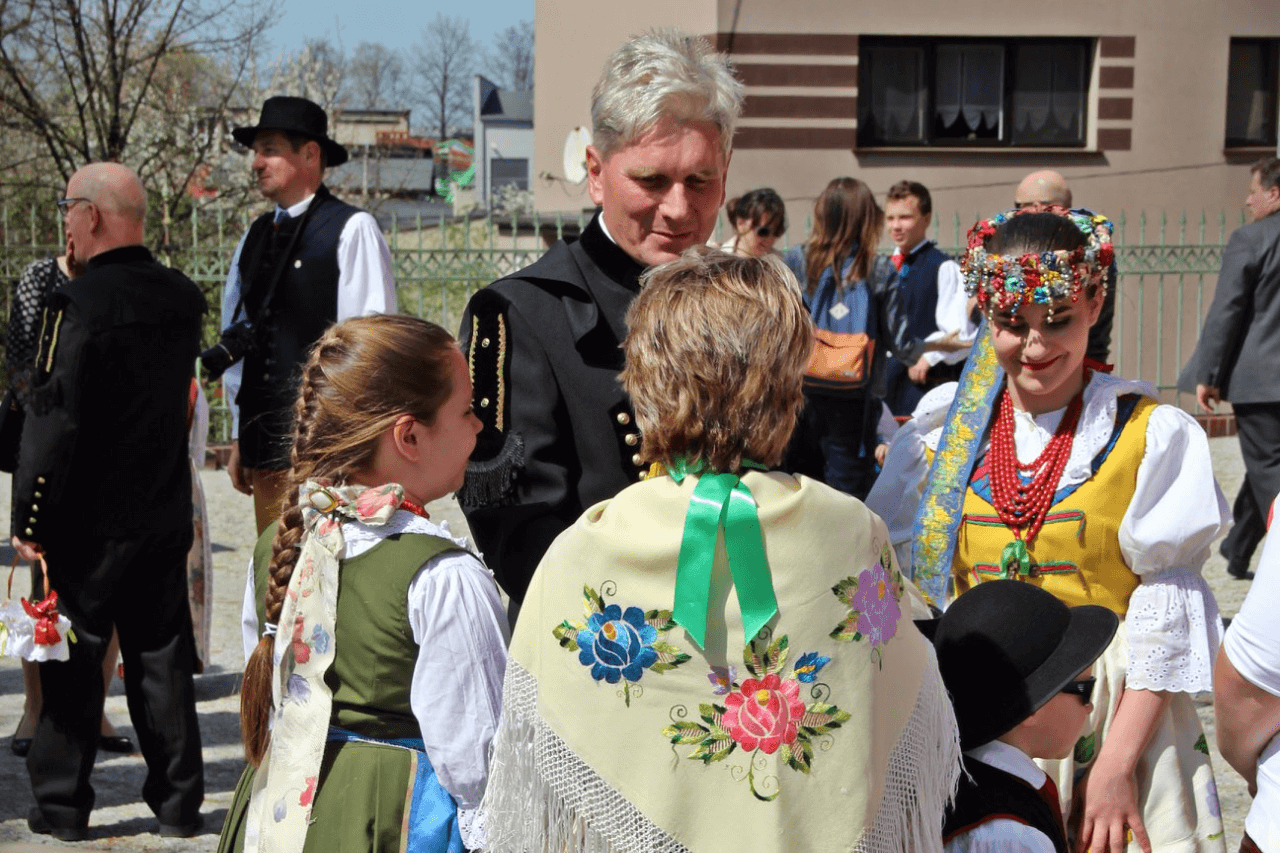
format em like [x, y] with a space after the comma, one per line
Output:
[1016, 663]
[312, 261]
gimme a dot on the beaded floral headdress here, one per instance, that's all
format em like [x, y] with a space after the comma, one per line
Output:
[1006, 282]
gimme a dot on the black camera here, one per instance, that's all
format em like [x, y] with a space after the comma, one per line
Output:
[237, 342]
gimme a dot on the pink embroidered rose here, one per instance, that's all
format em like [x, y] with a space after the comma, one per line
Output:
[764, 713]
[371, 501]
[877, 604]
[309, 793]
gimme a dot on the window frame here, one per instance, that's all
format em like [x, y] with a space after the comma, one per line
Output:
[1268, 140]
[929, 45]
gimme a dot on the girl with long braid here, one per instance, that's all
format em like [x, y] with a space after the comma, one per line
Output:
[380, 669]
[1042, 467]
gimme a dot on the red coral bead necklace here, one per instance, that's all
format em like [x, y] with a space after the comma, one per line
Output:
[1023, 506]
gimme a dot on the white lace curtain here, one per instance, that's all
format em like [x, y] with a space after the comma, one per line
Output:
[970, 83]
[897, 92]
[1048, 101]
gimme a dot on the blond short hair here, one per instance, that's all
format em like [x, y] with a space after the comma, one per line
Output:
[663, 74]
[715, 357]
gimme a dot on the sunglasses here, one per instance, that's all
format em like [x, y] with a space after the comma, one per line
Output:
[1082, 688]
[766, 231]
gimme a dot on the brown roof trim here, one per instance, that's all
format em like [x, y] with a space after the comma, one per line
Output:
[1115, 77]
[795, 44]
[1115, 139]
[1117, 47]
[1115, 108]
[796, 138]
[800, 106]
[753, 74]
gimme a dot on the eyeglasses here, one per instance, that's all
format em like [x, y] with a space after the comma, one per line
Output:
[1082, 688]
[64, 204]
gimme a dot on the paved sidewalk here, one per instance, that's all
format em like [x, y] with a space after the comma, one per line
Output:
[122, 822]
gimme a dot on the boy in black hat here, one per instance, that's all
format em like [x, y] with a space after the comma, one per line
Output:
[1016, 662]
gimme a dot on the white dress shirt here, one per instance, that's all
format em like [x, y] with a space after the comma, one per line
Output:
[951, 313]
[1003, 834]
[1253, 645]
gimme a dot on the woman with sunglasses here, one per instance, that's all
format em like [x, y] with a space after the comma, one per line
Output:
[758, 218]
[1038, 468]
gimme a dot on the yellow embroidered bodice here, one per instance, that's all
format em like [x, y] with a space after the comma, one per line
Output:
[1077, 552]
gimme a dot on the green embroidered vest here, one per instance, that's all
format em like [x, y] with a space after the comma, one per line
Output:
[373, 671]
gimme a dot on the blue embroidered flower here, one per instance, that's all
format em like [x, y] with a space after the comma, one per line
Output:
[320, 639]
[809, 665]
[297, 689]
[617, 644]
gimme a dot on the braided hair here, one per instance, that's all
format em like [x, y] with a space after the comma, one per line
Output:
[361, 376]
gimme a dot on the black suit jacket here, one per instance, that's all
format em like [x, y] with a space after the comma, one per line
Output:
[1239, 346]
[544, 346]
[104, 446]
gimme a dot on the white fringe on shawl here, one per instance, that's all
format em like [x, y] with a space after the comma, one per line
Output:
[542, 798]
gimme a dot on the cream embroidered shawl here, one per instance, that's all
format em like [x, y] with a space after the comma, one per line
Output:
[831, 731]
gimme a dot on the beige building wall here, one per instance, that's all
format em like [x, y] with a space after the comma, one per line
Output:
[1159, 82]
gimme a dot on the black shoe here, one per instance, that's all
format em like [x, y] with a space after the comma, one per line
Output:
[181, 830]
[116, 743]
[1239, 571]
[37, 823]
[20, 746]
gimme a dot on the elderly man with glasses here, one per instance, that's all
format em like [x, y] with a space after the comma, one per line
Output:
[102, 493]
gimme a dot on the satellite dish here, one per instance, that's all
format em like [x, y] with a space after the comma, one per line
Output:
[575, 154]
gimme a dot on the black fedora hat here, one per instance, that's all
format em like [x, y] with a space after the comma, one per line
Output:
[295, 115]
[1005, 648]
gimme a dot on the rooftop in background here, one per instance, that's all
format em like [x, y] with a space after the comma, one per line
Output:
[504, 104]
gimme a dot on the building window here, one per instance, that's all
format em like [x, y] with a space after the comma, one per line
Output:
[1253, 78]
[509, 170]
[979, 92]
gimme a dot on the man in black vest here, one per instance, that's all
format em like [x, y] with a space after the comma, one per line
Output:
[103, 491]
[933, 297]
[311, 262]
[544, 343]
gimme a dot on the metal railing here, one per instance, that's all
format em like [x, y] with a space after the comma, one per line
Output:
[1168, 269]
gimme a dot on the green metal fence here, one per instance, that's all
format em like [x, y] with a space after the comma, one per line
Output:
[1168, 268]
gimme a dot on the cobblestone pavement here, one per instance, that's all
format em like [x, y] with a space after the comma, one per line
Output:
[122, 822]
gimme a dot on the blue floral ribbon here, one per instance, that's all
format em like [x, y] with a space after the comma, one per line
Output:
[721, 501]
[941, 507]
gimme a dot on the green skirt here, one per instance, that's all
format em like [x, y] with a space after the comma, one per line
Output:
[362, 801]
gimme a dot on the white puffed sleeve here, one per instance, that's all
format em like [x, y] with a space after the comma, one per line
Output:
[461, 628]
[1177, 511]
[897, 490]
[896, 495]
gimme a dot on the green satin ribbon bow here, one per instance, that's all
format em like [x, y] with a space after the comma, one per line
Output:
[721, 501]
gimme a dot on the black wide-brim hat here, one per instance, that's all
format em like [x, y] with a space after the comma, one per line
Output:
[1005, 648]
[295, 115]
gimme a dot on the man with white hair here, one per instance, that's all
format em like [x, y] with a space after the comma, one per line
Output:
[103, 491]
[544, 343]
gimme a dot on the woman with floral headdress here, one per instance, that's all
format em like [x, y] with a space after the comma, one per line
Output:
[721, 657]
[1039, 467]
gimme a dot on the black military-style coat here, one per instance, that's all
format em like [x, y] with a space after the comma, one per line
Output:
[104, 446]
[544, 347]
